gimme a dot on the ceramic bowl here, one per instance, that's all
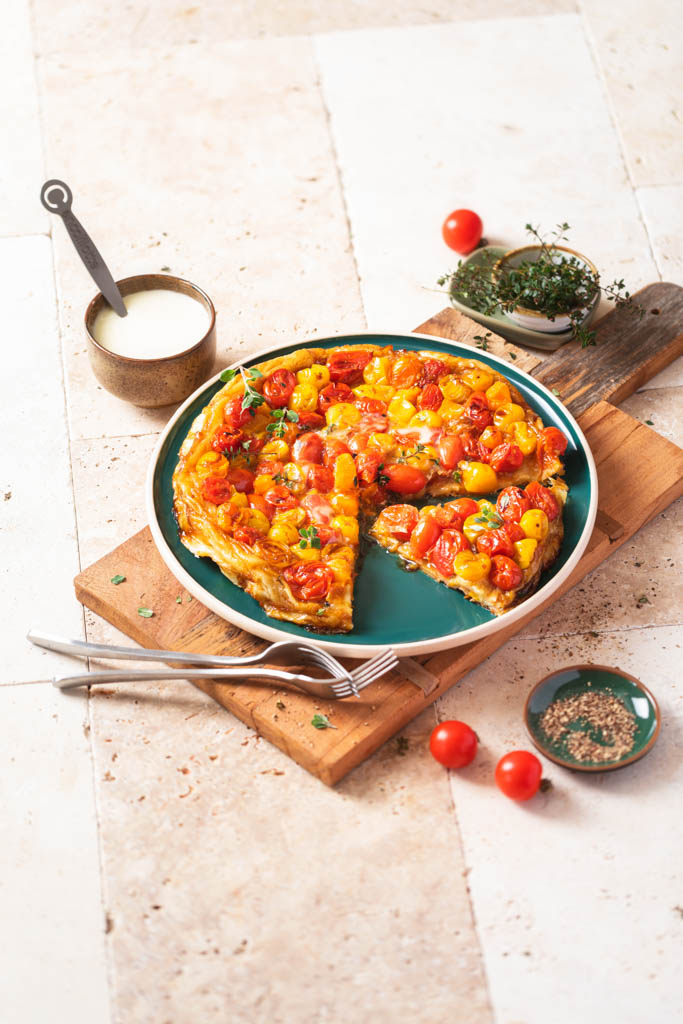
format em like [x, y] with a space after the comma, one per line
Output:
[582, 679]
[531, 319]
[161, 380]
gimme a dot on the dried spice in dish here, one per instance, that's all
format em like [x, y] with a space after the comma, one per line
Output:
[594, 727]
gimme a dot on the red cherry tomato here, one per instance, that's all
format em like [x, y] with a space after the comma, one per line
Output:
[308, 581]
[505, 574]
[328, 535]
[347, 366]
[371, 406]
[430, 397]
[464, 507]
[474, 449]
[451, 451]
[554, 440]
[234, 415]
[278, 387]
[241, 479]
[280, 498]
[405, 370]
[477, 410]
[449, 544]
[495, 542]
[319, 509]
[333, 394]
[308, 448]
[506, 458]
[518, 775]
[540, 497]
[310, 421]
[446, 516]
[367, 466]
[358, 443]
[404, 479]
[462, 230]
[512, 503]
[373, 423]
[432, 370]
[424, 536]
[453, 744]
[259, 502]
[319, 478]
[270, 466]
[513, 530]
[216, 489]
[226, 440]
[399, 521]
[246, 534]
[332, 449]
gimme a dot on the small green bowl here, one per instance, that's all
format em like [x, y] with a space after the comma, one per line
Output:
[580, 679]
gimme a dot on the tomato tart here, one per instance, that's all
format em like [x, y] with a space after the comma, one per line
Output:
[291, 455]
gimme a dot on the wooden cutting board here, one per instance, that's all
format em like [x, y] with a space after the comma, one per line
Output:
[628, 353]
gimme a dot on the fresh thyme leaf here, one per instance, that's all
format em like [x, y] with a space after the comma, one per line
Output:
[117, 579]
[643, 600]
[146, 613]
[483, 341]
[309, 537]
[650, 423]
[513, 355]
[320, 611]
[382, 478]
[253, 373]
[322, 722]
[178, 599]
[457, 476]
[228, 375]
[555, 392]
[292, 415]
[252, 399]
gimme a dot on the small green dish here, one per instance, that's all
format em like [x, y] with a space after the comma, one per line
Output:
[581, 679]
[502, 324]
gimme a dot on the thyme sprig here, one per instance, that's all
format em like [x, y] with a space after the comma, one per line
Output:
[280, 416]
[252, 398]
[553, 283]
[309, 537]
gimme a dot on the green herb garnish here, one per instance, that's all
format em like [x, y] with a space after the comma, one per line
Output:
[117, 579]
[309, 537]
[382, 478]
[643, 600]
[277, 427]
[322, 722]
[483, 341]
[146, 613]
[178, 599]
[252, 399]
[555, 392]
[650, 423]
[488, 518]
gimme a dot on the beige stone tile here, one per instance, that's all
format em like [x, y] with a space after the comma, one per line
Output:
[662, 408]
[239, 887]
[236, 190]
[21, 166]
[558, 885]
[88, 26]
[636, 47]
[662, 208]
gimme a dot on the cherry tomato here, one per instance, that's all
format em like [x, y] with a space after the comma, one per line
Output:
[241, 479]
[399, 521]
[495, 542]
[371, 405]
[259, 502]
[308, 581]
[477, 410]
[432, 370]
[367, 466]
[451, 451]
[358, 443]
[234, 415]
[404, 479]
[540, 497]
[270, 466]
[319, 509]
[332, 449]
[449, 544]
[462, 230]
[328, 535]
[424, 536]
[216, 489]
[252, 445]
[246, 534]
[453, 744]
[319, 478]
[280, 498]
[308, 448]
[278, 387]
[347, 367]
[554, 440]
[505, 574]
[310, 421]
[474, 449]
[506, 458]
[464, 507]
[512, 503]
[513, 530]
[405, 370]
[226, 440]
[430, 397]
[373, 423]
[446, 516]
[333, 394]
[518, 775]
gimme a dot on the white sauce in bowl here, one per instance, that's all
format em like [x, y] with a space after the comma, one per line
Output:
[160, 323]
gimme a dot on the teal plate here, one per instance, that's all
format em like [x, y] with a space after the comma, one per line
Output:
[580, 679]
[407, 611]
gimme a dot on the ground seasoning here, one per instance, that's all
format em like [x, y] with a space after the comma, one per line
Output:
[595, 727]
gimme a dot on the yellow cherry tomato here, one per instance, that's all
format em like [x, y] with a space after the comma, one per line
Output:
[344, 472]
[534, 523]
[296, 516]
[456, 391]
[304, 398]
[490, 437]
[401, 411]
[524, 552]
[426, 418]
[284, 533]
[278, 449]
[478, 380]
[485, 519]
[498, 394]
[472, 567]
[258, 520]
[317, 375]
[342, 414]
[293, 477]
[524, 436]
[346, 504]
[263, 483]
[306, 554]
[507, 414]
[381, 392]
[384, 442]
[347, 526]
[238, 498]
[212, 464]
[451, 411]
[376, 371]
[478, 477]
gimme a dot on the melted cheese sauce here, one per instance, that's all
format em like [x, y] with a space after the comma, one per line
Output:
[160, 323]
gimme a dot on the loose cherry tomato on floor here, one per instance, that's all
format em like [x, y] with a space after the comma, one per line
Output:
[453, 744]
[347, 366]
[518, 775]
[278, 387]
[309, 581]
[462, 230]
[404, 479]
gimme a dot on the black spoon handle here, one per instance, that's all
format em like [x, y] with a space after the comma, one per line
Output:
[56, 196]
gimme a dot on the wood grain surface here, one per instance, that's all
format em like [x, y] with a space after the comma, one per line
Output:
[624, 450]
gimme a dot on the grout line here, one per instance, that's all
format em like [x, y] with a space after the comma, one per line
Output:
[600, 632]
[340, 180]
[27, 234]
[641, 214]
[116, 437]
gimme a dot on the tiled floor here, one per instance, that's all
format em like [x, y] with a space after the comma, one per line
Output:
[164, 865]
